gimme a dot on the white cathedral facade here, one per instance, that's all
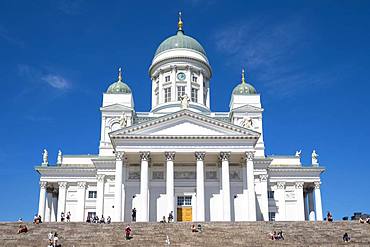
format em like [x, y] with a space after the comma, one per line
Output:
[181, 156]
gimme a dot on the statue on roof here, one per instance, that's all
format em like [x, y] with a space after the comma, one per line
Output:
[247, 122]
[45, 161]
[59, 158]
[314, 159]
[123, 120]
[185, 101]
[298, 153]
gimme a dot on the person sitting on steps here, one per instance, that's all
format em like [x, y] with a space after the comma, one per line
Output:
[102, 220]
[128, 232]
[22, 229]
[109, 220]
[329, 217]
[199, 228]
[193, 228]
[346, 238]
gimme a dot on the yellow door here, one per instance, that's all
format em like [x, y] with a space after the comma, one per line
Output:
[184, 214]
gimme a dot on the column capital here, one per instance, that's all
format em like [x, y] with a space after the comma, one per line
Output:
[170, 156]
[100, 177]
[120, 155]
[43, 184]
[81, 185]
[299, 185]
[263, 177]
[249, 155]
[62, 184]
[280, 185]
[224, 156]
[317, 184]
[199, 156]
[145, 155]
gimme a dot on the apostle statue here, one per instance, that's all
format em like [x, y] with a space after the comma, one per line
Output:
[185, 101]
[123, 120]
[59, 158]
[298, 153]
[314, 156]
[45, 157]
[247, 122]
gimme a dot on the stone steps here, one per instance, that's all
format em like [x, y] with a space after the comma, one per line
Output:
[214, 234]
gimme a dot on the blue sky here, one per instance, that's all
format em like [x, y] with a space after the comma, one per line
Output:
[308, 59]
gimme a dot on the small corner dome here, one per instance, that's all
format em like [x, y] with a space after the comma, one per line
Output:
[180, 40]
[119, 87]
[244, 88]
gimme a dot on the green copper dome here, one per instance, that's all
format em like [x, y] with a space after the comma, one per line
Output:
[119, 87]
[180, 40]
[244, 88]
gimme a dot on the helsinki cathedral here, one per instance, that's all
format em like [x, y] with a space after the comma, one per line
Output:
[181, 157]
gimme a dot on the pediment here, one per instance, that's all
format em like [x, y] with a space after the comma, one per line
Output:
[115, 107]
[247, 108]
[185, 123]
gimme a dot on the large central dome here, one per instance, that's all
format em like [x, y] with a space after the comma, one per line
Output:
[180, 40]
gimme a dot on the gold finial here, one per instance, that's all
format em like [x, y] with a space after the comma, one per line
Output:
[180, 24]
[120, 74]
[243, 76]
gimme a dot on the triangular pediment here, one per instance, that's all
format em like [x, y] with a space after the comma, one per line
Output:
[185, 123]
[247, 108]
[115, 107]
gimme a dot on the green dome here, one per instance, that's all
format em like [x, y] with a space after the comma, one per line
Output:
[180, 40]
[244, 89]
[119, 87]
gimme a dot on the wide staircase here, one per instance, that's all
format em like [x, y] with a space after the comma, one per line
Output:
[180, 234]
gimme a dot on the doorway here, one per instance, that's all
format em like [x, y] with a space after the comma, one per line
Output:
[184, 208]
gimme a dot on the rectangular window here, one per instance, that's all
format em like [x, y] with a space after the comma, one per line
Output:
[180, 92]
[167, 78]
[184, 201]
[194, 95]
[271, 216]
[92, 194]
[194, 78]
[270, 194]
[167, 94]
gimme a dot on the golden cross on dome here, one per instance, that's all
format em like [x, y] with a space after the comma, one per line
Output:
[180, 23]
[243, 76]
[120, 74]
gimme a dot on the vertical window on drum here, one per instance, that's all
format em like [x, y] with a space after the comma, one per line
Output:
[167, 94]
[167, 78]
[180, 92]
[194, 95]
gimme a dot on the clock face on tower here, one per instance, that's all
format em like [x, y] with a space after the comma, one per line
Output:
[181, 76]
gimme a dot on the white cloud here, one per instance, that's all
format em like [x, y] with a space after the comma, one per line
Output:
[36, 75]
[56, 81]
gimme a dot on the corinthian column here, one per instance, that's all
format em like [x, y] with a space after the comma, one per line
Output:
[225, 156]
[170, 187]
[199, 156]
[118, 187]
[280, 196]
[81, 194]
[264, 197]
[250, 181]
[100, 195]
[318, 205]
[62, 198]
[300, 201]
[144, 187]
[42, 199]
